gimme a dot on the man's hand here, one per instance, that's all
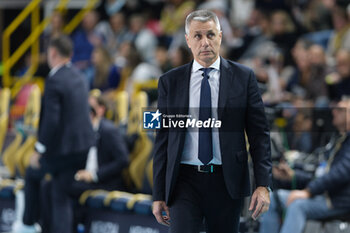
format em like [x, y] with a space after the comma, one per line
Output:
[83, 175]
[283, 172]
[35, 160]
[158, 208]
[261, 202]
[298, 194]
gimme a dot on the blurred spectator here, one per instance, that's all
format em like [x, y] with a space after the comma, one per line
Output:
[162, 59]
[85, 39]
[144, 40]
[113, 32]
[55, 29]
[142, 72]
[316, 87]
[180, 57]
[258, 36]
[301, 139]
[283, 33]
[327, 195]
[106, 74]
[107, 160]
[341, 37]
[339, 81]
[298, 80]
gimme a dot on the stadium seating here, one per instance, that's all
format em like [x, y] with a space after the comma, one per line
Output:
[17, 155]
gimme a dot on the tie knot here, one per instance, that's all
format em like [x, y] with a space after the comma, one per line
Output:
[206, 71]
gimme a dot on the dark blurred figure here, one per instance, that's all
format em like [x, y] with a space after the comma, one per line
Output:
[85, 40]
[341, 36]
[339, 81]
[162, 58]
[107, 159]
[113, 32]
[180, 57]
[65, 130]
[106, 74]
[327, 194]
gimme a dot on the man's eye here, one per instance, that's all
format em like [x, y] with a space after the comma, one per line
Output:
[211, 35]
[197, 36]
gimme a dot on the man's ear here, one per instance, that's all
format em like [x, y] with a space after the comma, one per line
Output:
[188, 44]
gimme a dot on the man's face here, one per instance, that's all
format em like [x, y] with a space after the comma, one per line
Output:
[204, 40]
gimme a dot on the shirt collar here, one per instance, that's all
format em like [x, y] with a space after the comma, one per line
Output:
[196, 66]
[56, 68]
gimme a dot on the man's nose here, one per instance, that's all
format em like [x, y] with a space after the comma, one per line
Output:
[205, 42]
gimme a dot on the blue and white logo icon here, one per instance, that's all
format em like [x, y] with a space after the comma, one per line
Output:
[151, 120]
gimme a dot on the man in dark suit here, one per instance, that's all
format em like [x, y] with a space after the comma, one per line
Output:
[103, 170]
[65, 130]
[203, 173]
[107, 160]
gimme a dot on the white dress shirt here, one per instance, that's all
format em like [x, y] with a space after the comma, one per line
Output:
[190, 151]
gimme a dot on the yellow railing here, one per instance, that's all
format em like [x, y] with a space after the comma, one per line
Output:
[32, 40]
[68, 29]
[30, 9]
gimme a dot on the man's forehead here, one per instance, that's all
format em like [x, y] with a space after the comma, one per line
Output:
[196, 25]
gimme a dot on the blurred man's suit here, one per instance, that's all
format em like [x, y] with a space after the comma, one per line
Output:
[112, 159]
[66, 132]
[240, 109]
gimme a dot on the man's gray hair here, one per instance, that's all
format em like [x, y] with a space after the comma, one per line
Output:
[202, 16]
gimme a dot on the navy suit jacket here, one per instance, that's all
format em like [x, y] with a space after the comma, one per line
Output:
[65, 128]
[240, 109]
[112, 155]
[337, 181]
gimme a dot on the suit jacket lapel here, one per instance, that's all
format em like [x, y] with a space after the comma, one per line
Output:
[226, 76]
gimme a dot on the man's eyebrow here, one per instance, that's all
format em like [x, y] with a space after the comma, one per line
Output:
[200, 32]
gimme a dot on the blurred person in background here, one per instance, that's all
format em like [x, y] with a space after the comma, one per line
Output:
[300, 138]
[85, 40]
[106, 160]
[341, 36]
[65, 131]
[55, 29]
[140, 70]
[284, 34]
[162, 58]
[339, 81]
[143, 38]
[106, 74]
[325, 195]
[113, 32]
[180, 57]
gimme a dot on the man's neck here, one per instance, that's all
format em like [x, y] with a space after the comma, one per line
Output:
[207, 65]
[60, 63]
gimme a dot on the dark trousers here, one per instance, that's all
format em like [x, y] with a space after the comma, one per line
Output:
[32, 191]
[61, 199]
[203, 197]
